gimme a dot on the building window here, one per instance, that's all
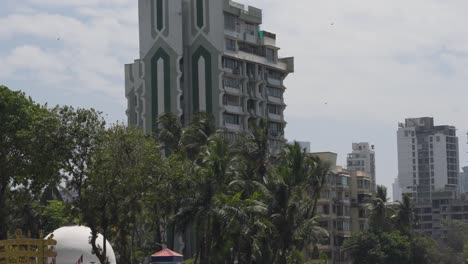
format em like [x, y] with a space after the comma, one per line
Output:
[230, 44]
[231, 82]
[275, 92]
[231, 100]
[230, 22]
[232, 64]
[438, 138]
[270, 54]
[251, 29]
[275, 75]
[326, 209]
[274, 109]
[231, 119]
[275, 129]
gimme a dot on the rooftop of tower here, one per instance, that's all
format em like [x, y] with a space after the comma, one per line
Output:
[248, 13]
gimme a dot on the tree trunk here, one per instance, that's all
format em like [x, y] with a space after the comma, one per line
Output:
[3, 213]
[97, 252]
[124, 256]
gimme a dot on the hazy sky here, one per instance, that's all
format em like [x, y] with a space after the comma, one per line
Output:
[362, 66]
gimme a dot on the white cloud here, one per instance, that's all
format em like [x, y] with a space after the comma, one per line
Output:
[89, 49]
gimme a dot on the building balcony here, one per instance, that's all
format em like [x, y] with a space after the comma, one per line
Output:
[276, 100]
[232, 90]
[267, 39]
[276, 117]
[233, 109]
[233, 33]
[250, 38]
[232, 72]
[275, 134]
[281, 64]
[233, 127]
[274, 82]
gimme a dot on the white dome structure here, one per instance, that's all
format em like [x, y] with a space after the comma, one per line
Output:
[73, 242]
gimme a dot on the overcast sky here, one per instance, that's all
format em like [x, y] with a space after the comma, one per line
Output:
[362, 66]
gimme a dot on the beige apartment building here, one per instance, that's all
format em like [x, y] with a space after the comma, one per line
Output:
[342, 207]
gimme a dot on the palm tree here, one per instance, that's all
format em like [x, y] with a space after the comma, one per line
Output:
[200, 208]
[404, 217]
[197, 134]
[379, 211]
[293, 208]
[169, 132]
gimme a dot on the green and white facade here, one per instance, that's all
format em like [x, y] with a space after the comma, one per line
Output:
[206, 56]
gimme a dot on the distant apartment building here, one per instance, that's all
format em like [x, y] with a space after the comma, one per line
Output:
[464, 180]
[206, 56]
[396, 191]
[427, 158]
[341, 207]
[362, 158]
[443, 206]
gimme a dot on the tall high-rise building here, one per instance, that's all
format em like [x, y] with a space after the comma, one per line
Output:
[362, 158]
[427, 158]
[464, 179]
[396, 191]
[206, 56]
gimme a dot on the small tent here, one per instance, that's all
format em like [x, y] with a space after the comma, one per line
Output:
[167, 256]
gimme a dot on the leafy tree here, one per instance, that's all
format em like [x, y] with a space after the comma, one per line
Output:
[83, 129]
[396, 247]
[365, 248]
[125, 162]
[425, 250]
[30, 147]
[53, 216]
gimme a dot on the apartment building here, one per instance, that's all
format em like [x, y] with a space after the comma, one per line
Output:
[342, 207]
[362, 158]
[464, 180]
[206, 56]
[443, 206]
[427, 158]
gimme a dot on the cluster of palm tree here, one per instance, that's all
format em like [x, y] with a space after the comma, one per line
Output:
[235, 202]
[391, 237]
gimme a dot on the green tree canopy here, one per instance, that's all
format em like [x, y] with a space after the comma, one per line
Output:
[31, 148]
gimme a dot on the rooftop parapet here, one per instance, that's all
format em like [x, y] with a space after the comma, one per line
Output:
[250, 14]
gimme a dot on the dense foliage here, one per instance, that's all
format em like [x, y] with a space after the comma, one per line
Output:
[226, 201]
[391, 237]
[187, 188]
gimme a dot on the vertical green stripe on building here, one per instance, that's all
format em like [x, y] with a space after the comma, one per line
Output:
[160, 54]
[202, 52]
[159, 15]
[200, 14]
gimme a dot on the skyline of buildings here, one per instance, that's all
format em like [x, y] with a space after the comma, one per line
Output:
[206, 56]
[212, 56]
[245, 74]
